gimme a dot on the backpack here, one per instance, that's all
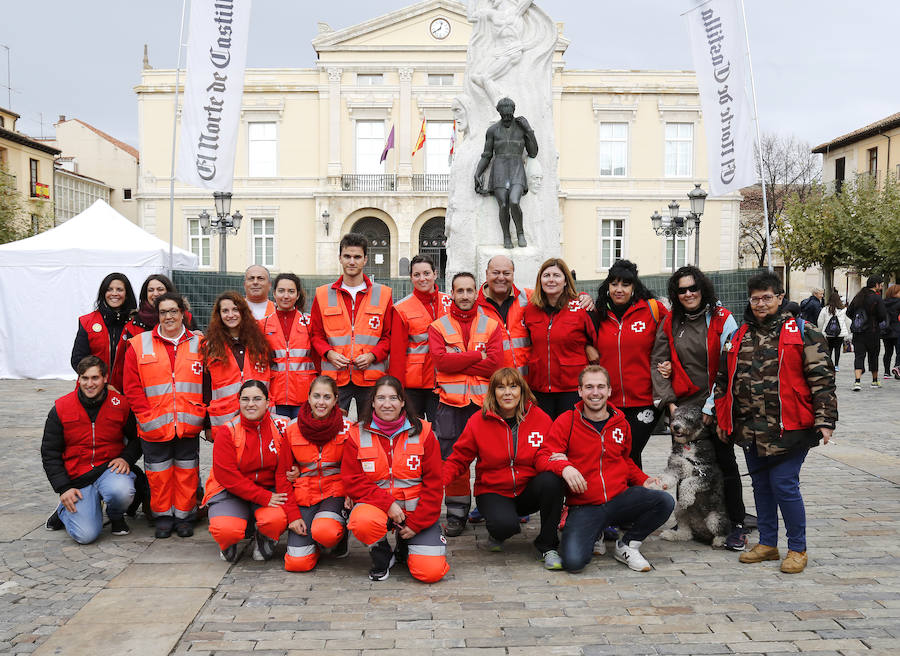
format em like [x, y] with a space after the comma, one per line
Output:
[833, 327]
[860, 321]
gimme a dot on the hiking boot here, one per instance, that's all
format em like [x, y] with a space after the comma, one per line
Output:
[496, 546]
[856, 386]
[54, 523]
[630, 554]
[552, 561]
[382, 560]
[119, 526]
[475, 517]
[184, 529]
[455, 527]
[794, 562]
[231, 554]
[737, 539]
[599, 547]
[759, 553]
[263, 547]
[164, 526]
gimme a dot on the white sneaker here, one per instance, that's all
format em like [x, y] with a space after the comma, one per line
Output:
[630, 554]
[599, 547]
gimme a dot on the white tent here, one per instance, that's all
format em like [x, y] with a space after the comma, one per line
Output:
[49, 280]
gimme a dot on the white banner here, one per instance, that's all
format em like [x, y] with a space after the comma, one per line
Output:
[720, 59]
[210, 116]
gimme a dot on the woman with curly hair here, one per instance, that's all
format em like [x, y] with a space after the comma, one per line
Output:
[234, 350]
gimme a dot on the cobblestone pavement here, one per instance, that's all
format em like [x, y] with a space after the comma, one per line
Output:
[697, 600]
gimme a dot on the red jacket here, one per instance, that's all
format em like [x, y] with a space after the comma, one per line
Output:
[625, 352]
[88, 444]
[557, 346]
[361, 489]
[262, 468]
[504, 467]
[602, 458]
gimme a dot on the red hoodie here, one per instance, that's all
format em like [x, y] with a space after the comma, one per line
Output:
[503, 467]
[602, 458]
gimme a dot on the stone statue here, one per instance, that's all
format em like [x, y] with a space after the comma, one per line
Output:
[503, 23]
[504, 143]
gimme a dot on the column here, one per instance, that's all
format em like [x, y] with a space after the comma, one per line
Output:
[404, 181]
[334, 125]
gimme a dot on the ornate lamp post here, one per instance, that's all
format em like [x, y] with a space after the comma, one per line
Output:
[675, 225]
[224, 224]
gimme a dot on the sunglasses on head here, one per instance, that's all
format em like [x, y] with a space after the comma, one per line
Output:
[690, 288]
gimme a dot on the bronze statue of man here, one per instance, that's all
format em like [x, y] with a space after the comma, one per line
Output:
[504, 143]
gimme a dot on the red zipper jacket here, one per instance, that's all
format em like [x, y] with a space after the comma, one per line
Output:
[625, 350]
[602, 458]
[557, 346]
[361, 489]
[504, 467]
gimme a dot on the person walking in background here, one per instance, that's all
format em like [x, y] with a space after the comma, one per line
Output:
[890, 335]
[99, 331]
[832, 322]
[866, 311]
[812, 306]
[562, 339]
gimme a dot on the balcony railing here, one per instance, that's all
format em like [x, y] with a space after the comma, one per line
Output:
[369, 182]
[430, 182]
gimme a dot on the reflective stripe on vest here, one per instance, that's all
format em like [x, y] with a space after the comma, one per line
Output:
[460, 389]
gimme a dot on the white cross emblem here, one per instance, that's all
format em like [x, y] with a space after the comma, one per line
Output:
[272, 446]
[281, 423]
[727, 346]
[535, 439]
[446, 302]
[347, 425]
[303, 319]
[374, 323]
[260, 368]
[791, 326]
[618, 435]
[638, 326]
[413, 463]
[480, 346]
[574, 306]
[115, 400]
[197, 367]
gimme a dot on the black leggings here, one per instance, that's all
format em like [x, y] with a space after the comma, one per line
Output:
[835, 346]
[501, 514]
[556, 403]
[642, 420]
[734, 493]
[890, 344]
[866, 346]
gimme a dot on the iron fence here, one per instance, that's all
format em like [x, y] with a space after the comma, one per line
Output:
[369, 182]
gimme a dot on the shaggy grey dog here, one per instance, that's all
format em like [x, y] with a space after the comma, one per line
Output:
[693, 475]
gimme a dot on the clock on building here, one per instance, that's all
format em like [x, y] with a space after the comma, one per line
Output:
[440, 28]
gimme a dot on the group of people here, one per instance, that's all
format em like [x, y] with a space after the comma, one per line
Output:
[553, 394]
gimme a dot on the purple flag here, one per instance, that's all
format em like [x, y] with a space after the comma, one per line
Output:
[387, 146]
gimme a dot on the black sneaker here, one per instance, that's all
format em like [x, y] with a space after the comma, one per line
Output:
[231, 554]
[54, 523]
[455, 527]
[737, 539]
[119, 526]
[382, 560]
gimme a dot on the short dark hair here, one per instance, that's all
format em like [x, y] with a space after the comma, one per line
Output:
[874, 279]
[462, 274]
[624, 271]
[254, 383]
[365, 417]
[354, 239]
[170, 296]
[763, 282]
[89, 361]
[506, 102]
[421, 259]
[301, 295]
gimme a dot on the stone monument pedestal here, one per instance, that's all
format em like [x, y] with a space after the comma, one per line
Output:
[526, 260]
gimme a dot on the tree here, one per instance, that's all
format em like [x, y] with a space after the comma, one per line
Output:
[11, 223]
[874, 211]
[789, 169]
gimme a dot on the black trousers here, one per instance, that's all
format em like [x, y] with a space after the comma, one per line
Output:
[734, 492]
[424, 400]
[890, 344]
[351, 391]
[866, 347]
[543, 493]
[835, 347]
[556, 403]
[642, 420]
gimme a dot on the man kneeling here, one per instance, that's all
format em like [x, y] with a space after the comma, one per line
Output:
[589, 447]
[85, 455]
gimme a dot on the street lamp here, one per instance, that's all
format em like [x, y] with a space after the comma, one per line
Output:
[675, 225]
[224, 224]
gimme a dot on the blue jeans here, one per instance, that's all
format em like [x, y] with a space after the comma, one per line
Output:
[776, 484]
[85, 524]
[645, 509]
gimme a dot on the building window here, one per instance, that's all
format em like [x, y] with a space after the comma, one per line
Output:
[369, 79]
[369, 144]
[437, 146]
[613, 149]
[612, 237]
[679, 149]
[676, 252]
[2, 122]
[264, 242]
[126, 194]
[198, 243]
[33, 167]
[262, 150]
[872, 159]
[440, 79]
[840, 165]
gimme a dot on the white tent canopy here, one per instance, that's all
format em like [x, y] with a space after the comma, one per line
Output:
[49, 280]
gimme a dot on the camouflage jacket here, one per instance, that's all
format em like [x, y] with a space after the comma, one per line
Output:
[757, 406]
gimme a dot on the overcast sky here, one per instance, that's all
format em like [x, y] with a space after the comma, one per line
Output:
[822, 67]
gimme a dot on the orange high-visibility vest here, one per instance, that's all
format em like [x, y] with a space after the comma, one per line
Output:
[516, 339]
[320, 470]
[239, 437]
[402, 477]
[226, 378]
[175, 396]
[461, 389]
[419, 365]
[293, 368]
[353, 338]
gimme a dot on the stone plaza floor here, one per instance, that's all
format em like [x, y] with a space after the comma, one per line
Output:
[138, 595]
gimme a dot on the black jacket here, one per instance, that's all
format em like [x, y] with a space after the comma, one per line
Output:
[870, 301]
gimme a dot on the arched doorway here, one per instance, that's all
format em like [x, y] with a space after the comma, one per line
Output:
[433, 242]
[379, 236]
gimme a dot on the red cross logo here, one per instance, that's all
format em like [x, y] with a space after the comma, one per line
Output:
[638, 326]
[413, 463]
[347, 425]
[197, 367]
[791, 326]
[259, 367]
[281, 423]
[480, 346]
[446, 302]
[574, 306]
[535, 439]
[374, 323]
[272, 446]
[303, 319]
[618, 436]
[115, 400]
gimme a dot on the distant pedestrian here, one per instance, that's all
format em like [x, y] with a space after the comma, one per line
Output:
[833, 323]
[812, 306]
[890, 335]
[866, 312]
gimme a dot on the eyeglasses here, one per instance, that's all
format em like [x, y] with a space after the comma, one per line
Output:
[765, 298]
[169, 313]
[690, 288]
[385, 399]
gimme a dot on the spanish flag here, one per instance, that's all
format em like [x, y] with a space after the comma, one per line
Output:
[420, 141]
